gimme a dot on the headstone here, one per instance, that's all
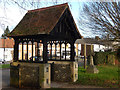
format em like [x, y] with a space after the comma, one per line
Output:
[92, 68]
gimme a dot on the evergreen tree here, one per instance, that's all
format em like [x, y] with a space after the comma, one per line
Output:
[6, 32]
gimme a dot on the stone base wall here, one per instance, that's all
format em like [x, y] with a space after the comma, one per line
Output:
[24, 75]
[64, 71]
[14, 76]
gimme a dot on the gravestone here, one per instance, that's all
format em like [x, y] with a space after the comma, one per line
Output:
[92, 68]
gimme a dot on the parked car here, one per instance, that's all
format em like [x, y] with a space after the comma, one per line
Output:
[36, 58]
[2, 61]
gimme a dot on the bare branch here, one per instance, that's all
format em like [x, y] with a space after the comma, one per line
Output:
[102, 16]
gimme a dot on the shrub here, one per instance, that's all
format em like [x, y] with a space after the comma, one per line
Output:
[104, 58]
[118, 53]
[111, 59]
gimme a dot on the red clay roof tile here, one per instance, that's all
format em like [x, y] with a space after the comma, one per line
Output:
[39, 21]
[7, 43]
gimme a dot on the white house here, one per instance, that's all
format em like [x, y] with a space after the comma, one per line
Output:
[96, 46]
[6, 49]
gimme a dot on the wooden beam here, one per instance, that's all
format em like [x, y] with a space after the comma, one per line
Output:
[55, 50]
[27, 50]
[60, 50]
[32, 50]
[72, 52]
[16, 47]
[45, 58]
[77, 50]
[38, 51]
[84, 56]
[22, 50]
[65, 49]
[51, 50]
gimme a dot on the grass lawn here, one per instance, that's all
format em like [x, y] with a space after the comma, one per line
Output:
[5, 66]
[107, 76]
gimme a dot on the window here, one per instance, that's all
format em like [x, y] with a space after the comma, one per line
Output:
[6, 49]
[20, 47]
[20, 55]
[25, 47]
[47, 69]
[30, 47]
[5, 56]
[47, 81]
[29, 55]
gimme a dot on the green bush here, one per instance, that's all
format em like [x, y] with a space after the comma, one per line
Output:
[111, 59]
[118, 53]
[99, 58]
[104, 58]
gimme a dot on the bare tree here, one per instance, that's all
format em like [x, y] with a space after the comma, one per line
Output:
[101, 18]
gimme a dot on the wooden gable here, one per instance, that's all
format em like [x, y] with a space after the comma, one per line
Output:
[66, 28]
[54, 23]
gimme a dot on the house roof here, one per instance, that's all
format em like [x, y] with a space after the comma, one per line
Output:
[95, 41]
[111, 42]
[87, 41]
[7, 43]
[39, 21]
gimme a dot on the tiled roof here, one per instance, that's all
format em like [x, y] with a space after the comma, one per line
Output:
[94, 41]
[7, 43]
[87, 41]
[39, 21]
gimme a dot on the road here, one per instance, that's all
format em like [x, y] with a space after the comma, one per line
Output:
[4, 78]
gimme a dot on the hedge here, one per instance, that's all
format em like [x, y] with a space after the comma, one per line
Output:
[103, 58]
[118, 54]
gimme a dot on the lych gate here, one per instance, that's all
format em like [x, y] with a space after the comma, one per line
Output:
[55, 29]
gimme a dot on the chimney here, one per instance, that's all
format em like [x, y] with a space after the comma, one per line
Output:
[97, 38]
[81, 37]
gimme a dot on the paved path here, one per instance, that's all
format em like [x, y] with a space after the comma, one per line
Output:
[67, 85]
[5, 78]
